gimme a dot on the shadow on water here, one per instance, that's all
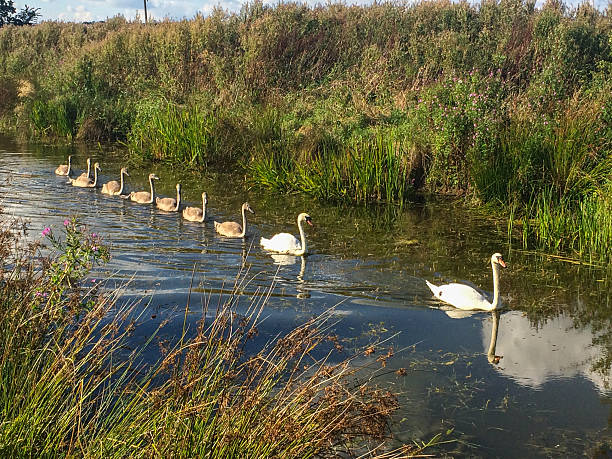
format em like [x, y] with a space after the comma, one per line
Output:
[532, 390]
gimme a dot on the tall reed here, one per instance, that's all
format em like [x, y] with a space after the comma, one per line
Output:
[162, 130]
[366, 170]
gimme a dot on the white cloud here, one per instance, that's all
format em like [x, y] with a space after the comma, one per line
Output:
[555, 350]
[78, 14]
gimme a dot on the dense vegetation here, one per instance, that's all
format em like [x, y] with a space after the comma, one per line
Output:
[500, 101]
[79, 380]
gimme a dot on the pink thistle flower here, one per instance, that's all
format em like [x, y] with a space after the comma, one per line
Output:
[46, 231]
[66, 222]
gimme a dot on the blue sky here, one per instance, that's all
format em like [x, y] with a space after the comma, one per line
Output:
[96, 10]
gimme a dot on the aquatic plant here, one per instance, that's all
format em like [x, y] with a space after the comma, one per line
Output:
[162, 130]
[364, 171]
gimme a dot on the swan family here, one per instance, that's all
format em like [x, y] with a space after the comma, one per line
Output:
[460, 296]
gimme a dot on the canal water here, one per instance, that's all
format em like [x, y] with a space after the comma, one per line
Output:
[531, 381]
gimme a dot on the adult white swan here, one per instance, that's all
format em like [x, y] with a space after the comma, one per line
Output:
[468, 298]
[288, 243]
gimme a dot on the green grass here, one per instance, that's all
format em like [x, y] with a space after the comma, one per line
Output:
[362, 172]
[175, 134]
[583, 227]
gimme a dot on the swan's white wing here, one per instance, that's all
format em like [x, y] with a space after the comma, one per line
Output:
[462, 296]
[281, 242]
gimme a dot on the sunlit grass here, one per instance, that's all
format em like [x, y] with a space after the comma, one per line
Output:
[347, 103]
[363, 171]
[75, 382]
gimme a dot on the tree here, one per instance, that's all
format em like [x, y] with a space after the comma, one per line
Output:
[9, 14]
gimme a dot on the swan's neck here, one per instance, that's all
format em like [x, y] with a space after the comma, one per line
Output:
[203, 210]
[152, 190]
[244, 222]
[178, 200]
[89, 170]
[95, 182]
[493, 343]
[495, 303]
[69, 165]
[121, 187]
[302, 250]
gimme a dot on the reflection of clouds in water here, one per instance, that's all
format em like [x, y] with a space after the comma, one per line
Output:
[555, 350]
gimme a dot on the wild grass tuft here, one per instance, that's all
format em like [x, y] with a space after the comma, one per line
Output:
[75, 381]
[366, 170]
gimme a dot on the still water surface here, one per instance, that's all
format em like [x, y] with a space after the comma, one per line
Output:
[530, 382]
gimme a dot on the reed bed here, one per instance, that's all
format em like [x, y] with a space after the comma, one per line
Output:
[175, 134]
[365, 171]
[76, 383]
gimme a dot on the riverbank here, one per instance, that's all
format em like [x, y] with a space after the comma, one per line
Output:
[503, 103]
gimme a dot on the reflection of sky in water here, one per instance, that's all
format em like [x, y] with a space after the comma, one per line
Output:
[556, 350]
[369, 262]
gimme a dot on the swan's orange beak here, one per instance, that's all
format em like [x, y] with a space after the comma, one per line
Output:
[502, 262]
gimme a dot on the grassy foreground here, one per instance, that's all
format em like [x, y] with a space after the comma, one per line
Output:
[74, 384]
[502, 102]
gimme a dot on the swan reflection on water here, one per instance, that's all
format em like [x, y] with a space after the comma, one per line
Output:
[533, 356]
[491, 357]
[288, 260]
